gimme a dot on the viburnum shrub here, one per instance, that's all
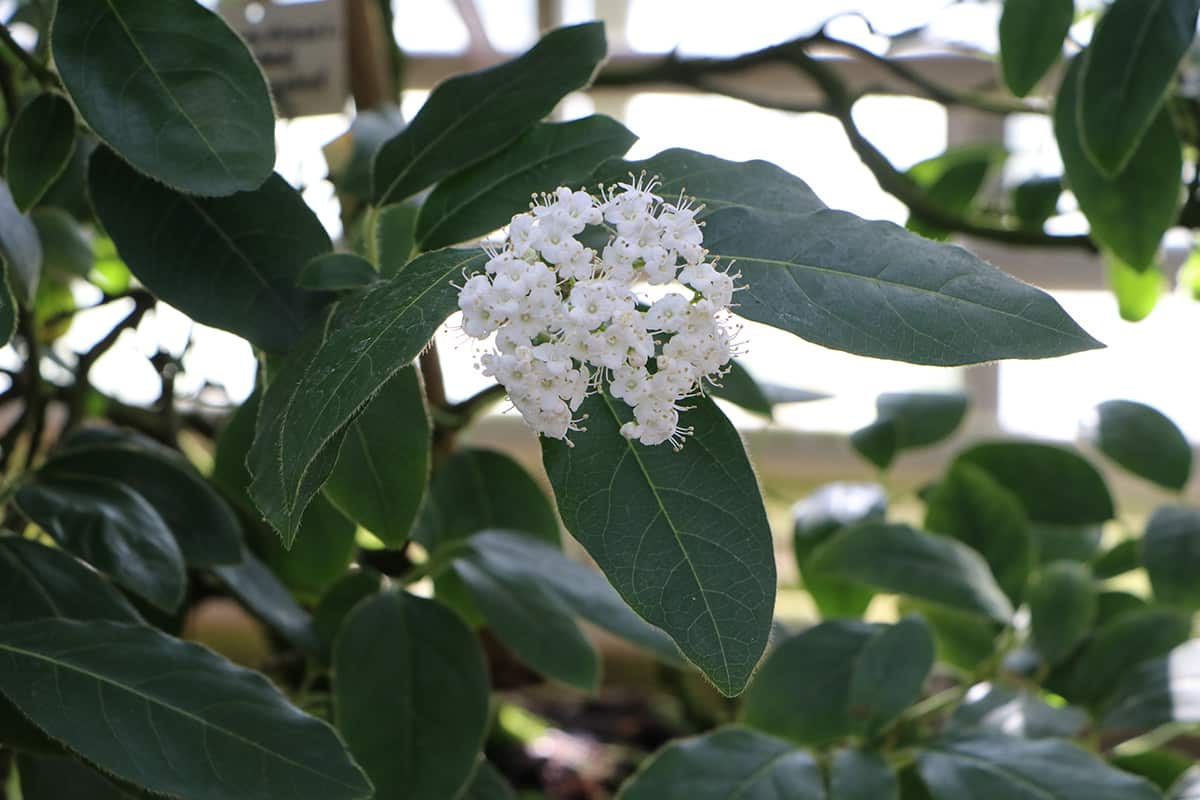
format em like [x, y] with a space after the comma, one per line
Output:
[387, 580]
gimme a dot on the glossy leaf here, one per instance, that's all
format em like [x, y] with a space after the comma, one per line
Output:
[1036, 200]
[861, 775]
[484, 197]
[65, 778]
[1137, 290]
[394, 237]
[970, 506]
[111, 527]
[339, 600]
[383, 466]
[1144, 441]
[21, 253]
[1126, 72]
[1171, 553]
[905, 421]
[323, 385]
[66, 249]
[487, 784]
[39, 582]
[992, 708]
[1062, 608]
[230, 262]
[818, 517]
[168, 715]
[337, 271]
[970, 766]
[1054, 484]
[1031, 40]
[38, 148]
[171, 88]
[469, 117]
[411, 696]
[1128, 212]
[1160, 691]
[951, 181]
[730, 764]
[322, 552]
[261, 592]
[681, 535]
[889, 674]
[899, 558]
[739, 387]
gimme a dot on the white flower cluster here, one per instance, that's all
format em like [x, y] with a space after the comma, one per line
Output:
[566, 318]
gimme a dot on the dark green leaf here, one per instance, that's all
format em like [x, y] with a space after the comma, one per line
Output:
[337, 271]
[778, 394]
[951, 182]
[537, 626]
[877, 442]
[339, 600]
[229, 262]
[469, 117]
[486, 784]
[889, 674]
[1144, 441]
[168, 715]
[65, 778]
[1031, 40]
[171, 88]
[1126, 72]
[1162, 767]
[66, 249]
[322, 385]
[905, 421]
[69, 192]
[229, 473]
[206, 528]
[970, 506]
[991, 708]
[730, 764]
[479, 489]
[395, 237]
[411, 696]
[350, 156]
[1111, 605]
[815, 519]
[8, 305]
[1008, 768]
[39, 147]
[875, 289]
[1171, 553]
[20, 251]
[739, 387]
[383, 466]
[321, 554]
[1054, 484]
[1062, 608]
[681, 535]
[1137, 290]
[581, 589]
[111, 527]
[862, 775]
[1163, 690]
[802, 691]
[1066, 542]
[480, 199]
[257, 588]
[1036, 200]
[963, 639]
[1120, 558]
[1130, 211]
[18, 733]
[899, 558]
[37, 582]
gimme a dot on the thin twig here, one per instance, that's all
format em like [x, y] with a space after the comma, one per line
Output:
[88, 359]
[37, 69]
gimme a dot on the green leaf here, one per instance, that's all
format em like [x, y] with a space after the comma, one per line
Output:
[1111, 605]
[1144, 441]
[383, 466]
[1062, 608]
[171, 88]
[1031, 40]
[1119, 559]
[206, 529]
[963, 639]
[1161, 767]
[38, 148]
[951, 181]
[1036, 200]
[474, 490]
[1054, 484]
[906, 421]
[875, 289]
[38, 582]
[818, 517]
[519, 559]
[323, 551]
[411, 696]
[66, 249]
[889, 673]
[802, 691]
[8, 305]
[681, 535]
[487, 784]
[18, 733]
[1129, 211]
[1171, 553]
[1160, 691]
[168, 715]
[484, 197]
[394, 235]
[260, 591]
[1126, 72]
[337, 271]
[111, 527]
[330, 377]
[230, 262]
[469, 117]
[1066, 542]
[1137, 290]
[730, 764]
[992, 708]
[21, 252]
[350, 156]
[338, 601]
[65, 778]
[533, 623]
[968, 505]
[862, 775]
[1008, 768]
[739, 387]
[899, 558]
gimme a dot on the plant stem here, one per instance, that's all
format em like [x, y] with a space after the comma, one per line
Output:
[43, 75]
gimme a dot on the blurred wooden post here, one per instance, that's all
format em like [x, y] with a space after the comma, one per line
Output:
[367, 47]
